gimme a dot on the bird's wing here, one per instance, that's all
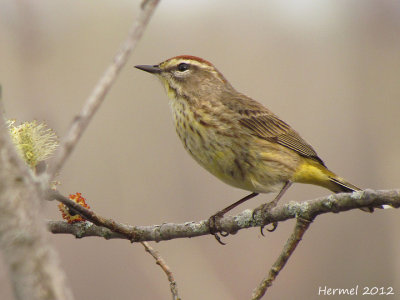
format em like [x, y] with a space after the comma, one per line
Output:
[266, 125]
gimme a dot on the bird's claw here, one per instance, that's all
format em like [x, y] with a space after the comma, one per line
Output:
[274, 226]
[212, 224]
[265, 208]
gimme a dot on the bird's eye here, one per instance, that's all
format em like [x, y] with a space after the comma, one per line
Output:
[183, 67]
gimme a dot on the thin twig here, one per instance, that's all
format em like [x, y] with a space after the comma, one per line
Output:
[112, 230]
[127, 231]
[161, 262]
[101, 89]
[231, 224]
[83, 229]
[291, 244]
[86, 229]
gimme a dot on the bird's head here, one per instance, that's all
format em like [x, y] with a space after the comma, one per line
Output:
[188, 76]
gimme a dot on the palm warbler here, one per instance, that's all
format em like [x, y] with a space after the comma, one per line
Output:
[235, 137]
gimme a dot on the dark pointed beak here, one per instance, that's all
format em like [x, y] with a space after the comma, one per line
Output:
[151, 69]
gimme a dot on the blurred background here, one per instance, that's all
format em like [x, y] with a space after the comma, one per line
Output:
[331, 69]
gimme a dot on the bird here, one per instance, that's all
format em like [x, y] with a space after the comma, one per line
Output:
[236, 138]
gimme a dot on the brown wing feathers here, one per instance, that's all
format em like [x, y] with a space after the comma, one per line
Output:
[269, 127]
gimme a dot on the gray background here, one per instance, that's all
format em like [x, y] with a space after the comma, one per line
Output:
[331, 69]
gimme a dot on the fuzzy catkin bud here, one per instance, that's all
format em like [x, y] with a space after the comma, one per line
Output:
[34, 141]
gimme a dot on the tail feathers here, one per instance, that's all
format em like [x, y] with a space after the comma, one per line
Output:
[341, 186]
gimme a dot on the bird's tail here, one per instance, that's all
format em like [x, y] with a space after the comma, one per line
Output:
[339, 185]
[313, 172]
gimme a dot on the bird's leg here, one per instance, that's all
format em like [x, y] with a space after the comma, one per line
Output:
[274, 202]
[268, 206]
[213, 219]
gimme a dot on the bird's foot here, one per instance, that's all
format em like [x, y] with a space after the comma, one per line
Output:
[213, 224]
[264, 210]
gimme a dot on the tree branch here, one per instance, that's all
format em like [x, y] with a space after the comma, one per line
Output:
[85, 229]
[161, 262]
[301, 226]
[304, 212]
[231, 224]
[101, 89]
